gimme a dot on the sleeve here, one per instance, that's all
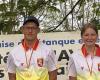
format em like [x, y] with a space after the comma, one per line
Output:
[52, 62]
[10, 64]
[71, 68]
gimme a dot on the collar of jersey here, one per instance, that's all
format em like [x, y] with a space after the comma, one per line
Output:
[34, 47]
[84, 52]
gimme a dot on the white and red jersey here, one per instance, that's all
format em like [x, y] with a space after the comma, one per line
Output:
[83, 66]
[41, 62]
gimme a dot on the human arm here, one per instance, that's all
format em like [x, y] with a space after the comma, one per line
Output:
[11, 68]
[72, 78]
[52, 66]
[12, 76]
[72, 70]
[53, 75]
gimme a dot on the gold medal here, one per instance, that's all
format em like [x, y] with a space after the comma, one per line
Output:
[28, 74]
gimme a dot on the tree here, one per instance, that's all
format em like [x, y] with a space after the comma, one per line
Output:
[54, 15]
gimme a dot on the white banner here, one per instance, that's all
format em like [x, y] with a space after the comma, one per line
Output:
[63, 43]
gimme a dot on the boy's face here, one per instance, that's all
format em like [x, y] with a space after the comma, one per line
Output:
[30, 31]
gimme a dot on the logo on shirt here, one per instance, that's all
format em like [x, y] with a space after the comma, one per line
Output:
[40, 62]
[98, 66]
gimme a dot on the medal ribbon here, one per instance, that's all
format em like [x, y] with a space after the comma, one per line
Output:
[90, 68]
[28, 62]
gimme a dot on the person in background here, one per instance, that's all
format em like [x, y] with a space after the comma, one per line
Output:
[84, 64]
[31, 59]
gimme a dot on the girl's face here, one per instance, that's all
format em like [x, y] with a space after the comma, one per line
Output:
[89, 37]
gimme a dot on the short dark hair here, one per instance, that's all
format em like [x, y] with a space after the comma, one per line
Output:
[31, 19]
[89, 25]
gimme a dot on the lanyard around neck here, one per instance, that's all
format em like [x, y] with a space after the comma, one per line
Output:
[90, 68]
[28, 61]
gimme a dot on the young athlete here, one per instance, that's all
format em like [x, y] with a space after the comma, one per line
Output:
[31, 60]
[84, 64]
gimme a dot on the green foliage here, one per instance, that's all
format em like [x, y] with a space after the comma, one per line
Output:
[96, 22]
[80, 17]
[97, 11]
[3, 7]
[96, 8]
[53, 8]
[94, 5]
[10, 12]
